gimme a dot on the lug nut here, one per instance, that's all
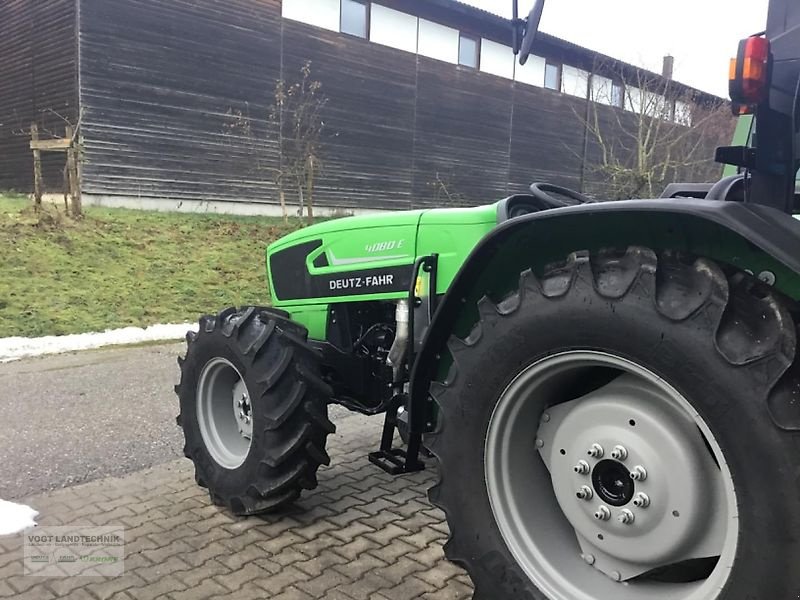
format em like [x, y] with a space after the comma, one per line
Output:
[641, 500]
[626, 517]
[545, 418]
[639, 473]
[619, 453]
[589, 558]
[616, 575]
[602, 514]
[582, 468]
[596, 451]
[585, 493]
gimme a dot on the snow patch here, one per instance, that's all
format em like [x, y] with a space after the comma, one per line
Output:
[16, 517]
[15, 348]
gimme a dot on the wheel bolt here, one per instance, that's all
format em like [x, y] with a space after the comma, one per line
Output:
[626, 517]
[585, 493]
[638, 473]
[582, 468]
[641, 501]
[596, 451]
[619, 453]
[589, 558]
[241, 414]
[539, 443]
[616, 576]
[545, 418]
[602, 514]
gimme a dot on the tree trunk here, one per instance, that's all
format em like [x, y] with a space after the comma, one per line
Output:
[300, 196]
[310, 181]
[282, 196]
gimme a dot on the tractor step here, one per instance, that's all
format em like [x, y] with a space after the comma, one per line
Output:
[396, 461]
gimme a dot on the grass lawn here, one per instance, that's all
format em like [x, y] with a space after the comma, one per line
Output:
[117, 267]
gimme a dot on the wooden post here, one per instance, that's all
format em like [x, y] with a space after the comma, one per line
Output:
[74, 179]
[37, 168]
[66, 187]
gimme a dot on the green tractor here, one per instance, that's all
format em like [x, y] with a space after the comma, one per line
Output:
[611, 389]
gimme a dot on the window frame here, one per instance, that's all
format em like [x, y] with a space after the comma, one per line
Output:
[477, 40]
[367, 18]
[559, 75]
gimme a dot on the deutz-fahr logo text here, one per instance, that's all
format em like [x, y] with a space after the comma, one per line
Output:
[354, 283]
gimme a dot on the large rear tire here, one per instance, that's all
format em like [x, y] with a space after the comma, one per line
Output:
[684, 366]
[253, 409]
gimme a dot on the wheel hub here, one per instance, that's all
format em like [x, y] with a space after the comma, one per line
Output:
[649, 503]
[242, 410]
[612, 482]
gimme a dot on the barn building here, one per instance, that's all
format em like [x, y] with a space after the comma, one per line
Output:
[425, 103]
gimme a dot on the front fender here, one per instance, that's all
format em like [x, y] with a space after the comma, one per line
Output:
[748, 237]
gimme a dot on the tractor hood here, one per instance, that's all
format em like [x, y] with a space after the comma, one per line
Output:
[348, 224]
[369, 255]
[343, 258]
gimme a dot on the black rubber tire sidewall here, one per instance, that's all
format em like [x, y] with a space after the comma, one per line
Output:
[275, 371]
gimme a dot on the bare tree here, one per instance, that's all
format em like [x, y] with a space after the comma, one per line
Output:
[444, 192]
[297, 115]
[645, 132]
[294, 120]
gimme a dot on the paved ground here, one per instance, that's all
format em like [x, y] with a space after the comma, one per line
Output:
[103, 416]
[360, 535]
[73, 418]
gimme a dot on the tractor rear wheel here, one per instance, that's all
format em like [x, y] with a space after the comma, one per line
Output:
[254, 409]
[608, 432]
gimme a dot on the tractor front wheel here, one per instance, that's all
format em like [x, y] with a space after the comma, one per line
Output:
[608, 432]
[253, 409]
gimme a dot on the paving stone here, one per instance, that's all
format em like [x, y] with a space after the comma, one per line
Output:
[362, 535]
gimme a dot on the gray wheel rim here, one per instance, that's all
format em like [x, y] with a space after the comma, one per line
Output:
[542, 520]
[224, 413]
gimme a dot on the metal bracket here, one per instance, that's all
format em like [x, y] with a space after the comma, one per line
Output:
[397, 461]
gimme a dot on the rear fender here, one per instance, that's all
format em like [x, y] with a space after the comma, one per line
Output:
[749, 237]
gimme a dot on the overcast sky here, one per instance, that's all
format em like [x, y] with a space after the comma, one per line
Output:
[702, 35]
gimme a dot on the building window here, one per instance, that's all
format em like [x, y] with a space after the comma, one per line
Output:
[552, 76]
[355, 18]
[469, 51]
[617, 95]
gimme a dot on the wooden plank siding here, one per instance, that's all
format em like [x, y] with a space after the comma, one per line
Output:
[158, 79]
[165, 86]
[462, 134]
[38, 82]
[368, 140]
